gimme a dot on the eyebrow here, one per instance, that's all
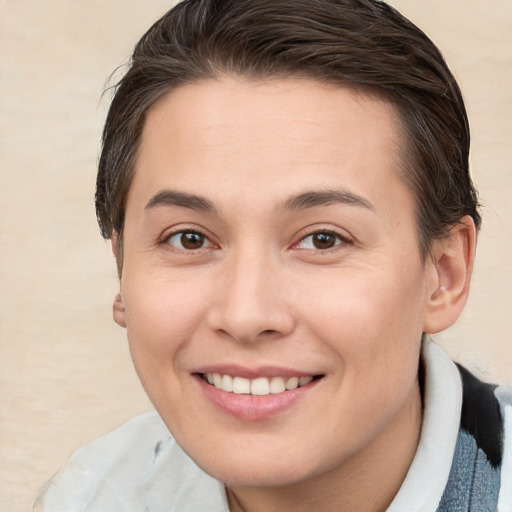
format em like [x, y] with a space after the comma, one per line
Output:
[173, 198]
[325, 198]
[302, 201]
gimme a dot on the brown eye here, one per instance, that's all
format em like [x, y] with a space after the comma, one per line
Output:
[321, 240]
[188, 240]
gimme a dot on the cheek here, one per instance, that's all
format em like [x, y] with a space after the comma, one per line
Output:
[373, 330]
[162, 317]
[370, 319]
[161, 314]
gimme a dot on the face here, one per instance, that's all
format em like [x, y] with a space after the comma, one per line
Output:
[274, 294]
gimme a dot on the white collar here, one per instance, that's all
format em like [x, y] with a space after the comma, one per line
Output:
[426, 479]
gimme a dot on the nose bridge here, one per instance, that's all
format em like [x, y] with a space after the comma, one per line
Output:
[251, 304]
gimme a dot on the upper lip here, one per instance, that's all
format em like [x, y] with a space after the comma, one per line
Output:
[254, 373]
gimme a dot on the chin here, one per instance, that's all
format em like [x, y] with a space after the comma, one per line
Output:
[266, 468]
[258, 475]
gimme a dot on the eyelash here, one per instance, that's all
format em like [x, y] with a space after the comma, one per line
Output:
[339, 240]
[183, 232]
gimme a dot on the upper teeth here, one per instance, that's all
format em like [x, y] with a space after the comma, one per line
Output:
[259, 386]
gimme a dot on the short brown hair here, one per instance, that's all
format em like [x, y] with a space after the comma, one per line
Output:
[361, 43]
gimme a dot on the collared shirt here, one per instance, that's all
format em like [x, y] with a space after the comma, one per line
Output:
[463, 462]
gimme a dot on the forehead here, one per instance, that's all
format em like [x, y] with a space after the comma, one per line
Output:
[281, 135]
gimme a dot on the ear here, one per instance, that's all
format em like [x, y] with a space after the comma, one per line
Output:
[452, 262]
[118, 305]
[118, 311]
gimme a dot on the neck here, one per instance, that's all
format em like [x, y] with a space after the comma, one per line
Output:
[366, 482]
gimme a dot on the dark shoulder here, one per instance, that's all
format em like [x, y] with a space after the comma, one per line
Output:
[481, 415]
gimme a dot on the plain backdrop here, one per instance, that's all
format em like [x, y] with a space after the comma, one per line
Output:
[65, 371]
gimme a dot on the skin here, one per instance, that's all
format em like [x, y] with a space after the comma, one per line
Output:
[257, 292]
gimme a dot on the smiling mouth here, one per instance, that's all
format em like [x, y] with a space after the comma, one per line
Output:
[259, 387]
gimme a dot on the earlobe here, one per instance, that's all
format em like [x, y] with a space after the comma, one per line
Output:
[118, 305]
[453, 258]
[118, 311]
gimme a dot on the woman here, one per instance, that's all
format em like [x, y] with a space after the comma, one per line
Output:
[287, 192]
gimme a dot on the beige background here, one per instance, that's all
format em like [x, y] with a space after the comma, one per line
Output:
[65, 374]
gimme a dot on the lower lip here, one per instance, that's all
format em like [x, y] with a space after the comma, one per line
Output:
[252, 407]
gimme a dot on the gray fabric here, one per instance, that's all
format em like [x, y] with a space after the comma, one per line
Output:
[140, 468]
[473, 484]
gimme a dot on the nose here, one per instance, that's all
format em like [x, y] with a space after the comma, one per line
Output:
[252, 304]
